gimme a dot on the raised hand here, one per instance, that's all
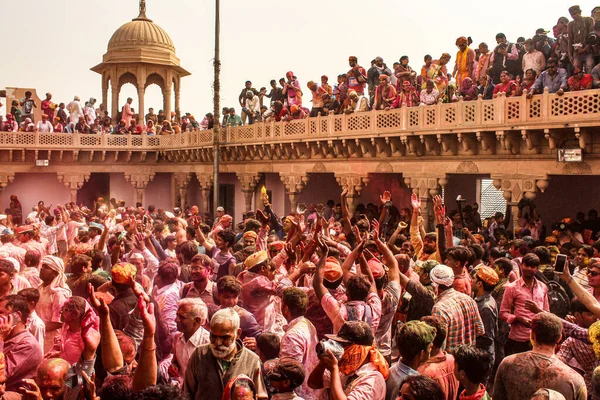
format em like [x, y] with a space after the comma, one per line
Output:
[148, 318]
[301, 208]
[30, 390]
[415, 201]
[97, 304]
[375, 231]
[344, 193]
[385, 197]
[320, 210]
[262, 218]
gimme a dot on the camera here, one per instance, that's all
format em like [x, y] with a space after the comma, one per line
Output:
[328, 344]
[561, 226]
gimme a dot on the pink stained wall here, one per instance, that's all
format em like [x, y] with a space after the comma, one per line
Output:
[33, 187]
[280, 201]
[158, 192]
[120, 189]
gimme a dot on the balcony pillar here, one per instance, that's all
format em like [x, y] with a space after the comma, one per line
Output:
[515, 187]
[206, 184]
[249, 182]
[294, 184]
[426, 187]
[182, 180]
[73, 182]
[139, 181]
[354, 184]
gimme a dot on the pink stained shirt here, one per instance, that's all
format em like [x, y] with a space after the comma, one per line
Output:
[338, 313]
[299, 342]
[259, 297]
[513, 305]
[70, 344]
[167, 298]
[441, 369]
[369, 384]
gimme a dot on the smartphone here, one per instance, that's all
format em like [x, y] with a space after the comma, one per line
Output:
[560, 263]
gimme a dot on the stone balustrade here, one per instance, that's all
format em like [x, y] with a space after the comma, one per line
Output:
[542, 112]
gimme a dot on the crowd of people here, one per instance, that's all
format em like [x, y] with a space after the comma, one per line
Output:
[122, 302]
[567, 62]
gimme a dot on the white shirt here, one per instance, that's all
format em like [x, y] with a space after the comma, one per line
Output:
[90, 115]
[36, 327]
[45, 127]
[75, 111]
[183, 349]
[253, 104]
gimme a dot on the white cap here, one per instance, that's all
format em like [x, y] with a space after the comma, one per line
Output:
[220, 208]
[3, 216]
[169, 214]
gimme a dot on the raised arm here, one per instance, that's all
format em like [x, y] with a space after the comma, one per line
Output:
[388, 257]
[146, 373]
[581, 293]
[349, 262]
[320, 289]
[345, 214]
[112, 357]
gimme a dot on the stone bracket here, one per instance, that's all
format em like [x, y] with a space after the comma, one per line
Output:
[73, 181]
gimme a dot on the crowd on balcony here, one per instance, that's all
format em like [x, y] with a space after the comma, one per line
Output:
[124, 302]
[567, 62]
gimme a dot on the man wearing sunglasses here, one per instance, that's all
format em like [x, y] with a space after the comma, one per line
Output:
[553, 78]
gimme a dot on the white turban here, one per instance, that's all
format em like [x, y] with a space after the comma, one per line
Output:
[56, 264]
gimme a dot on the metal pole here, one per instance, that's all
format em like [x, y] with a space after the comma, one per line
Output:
[216, 110]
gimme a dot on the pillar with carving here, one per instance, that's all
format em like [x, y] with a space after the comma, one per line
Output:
[294, 184]
[167, 95]
[206, 184]
[249, 182]
[141, 94]
[73, 181]
[5, 179]
[426, 187]
[182, 180]
[139, 181]
[354, 184]
[515, 187]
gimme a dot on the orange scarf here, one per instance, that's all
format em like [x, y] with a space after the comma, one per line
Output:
[355, 355]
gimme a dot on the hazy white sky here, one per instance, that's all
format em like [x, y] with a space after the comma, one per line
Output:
[51, 45]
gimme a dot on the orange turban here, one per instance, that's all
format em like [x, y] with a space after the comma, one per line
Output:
[122, 271]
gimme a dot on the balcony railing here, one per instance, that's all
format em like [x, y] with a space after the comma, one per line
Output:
[542, 111]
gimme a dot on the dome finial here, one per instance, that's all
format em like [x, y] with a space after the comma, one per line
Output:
[142, 16]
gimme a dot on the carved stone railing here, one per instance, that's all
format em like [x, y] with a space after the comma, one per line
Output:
[544, 111]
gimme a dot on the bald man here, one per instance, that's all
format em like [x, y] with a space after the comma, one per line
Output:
[55, 377]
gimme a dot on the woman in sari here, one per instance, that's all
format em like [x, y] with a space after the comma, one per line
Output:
[468, 90]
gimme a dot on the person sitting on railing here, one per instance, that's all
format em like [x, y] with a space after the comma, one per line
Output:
[579, 81]
[82, 126]
[106, 127]
[355, 103]
[449, 95]
[10, 125]
[134, 127]
[121, 128]
[407, 97]
[150, 129]
[233, 119]
[295, 112]
[95, 127]
[27, 125]
[527, 82]
[468, 91]
[58, 127]
[166, 128]
[486, 87]
[44, 126]
[506, 85]
[385, 93]
[553, 78]
[429, 95]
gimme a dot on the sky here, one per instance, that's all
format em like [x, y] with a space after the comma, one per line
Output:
[51, 45]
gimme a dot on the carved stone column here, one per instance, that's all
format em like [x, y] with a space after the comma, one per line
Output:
[5, 179]
[73, 181]
[249, 182]
[354, 184]
[426, 186]
[139, 181]
[294, 184]
[182, 180]
[514, 187]
[206, 184]
[141, 96]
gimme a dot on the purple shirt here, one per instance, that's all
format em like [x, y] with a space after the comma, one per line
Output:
[23, 355]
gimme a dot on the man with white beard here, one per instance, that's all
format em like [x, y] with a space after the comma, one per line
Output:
[213, 365]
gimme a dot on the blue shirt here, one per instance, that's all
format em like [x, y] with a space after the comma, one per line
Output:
[544, 80]
[398, 374]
